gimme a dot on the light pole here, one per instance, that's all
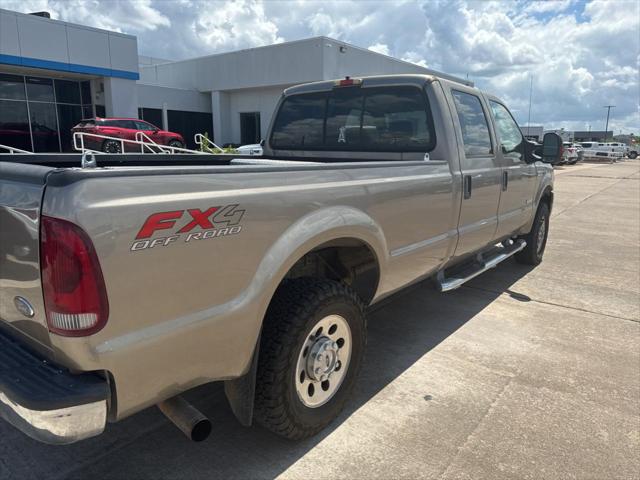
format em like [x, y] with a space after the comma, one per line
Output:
[608, 107]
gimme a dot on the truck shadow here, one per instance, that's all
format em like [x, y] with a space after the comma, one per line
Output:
[401, 331]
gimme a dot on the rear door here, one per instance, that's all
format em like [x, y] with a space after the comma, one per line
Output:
[481, 173]
[518, 176]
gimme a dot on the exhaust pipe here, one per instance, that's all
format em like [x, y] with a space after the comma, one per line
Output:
[186, 417]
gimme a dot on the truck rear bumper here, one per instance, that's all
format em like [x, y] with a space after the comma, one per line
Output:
[47, 402]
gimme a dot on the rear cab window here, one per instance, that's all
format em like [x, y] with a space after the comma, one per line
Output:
[378, 119]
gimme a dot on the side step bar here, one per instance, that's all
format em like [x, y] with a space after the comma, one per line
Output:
[483, 263]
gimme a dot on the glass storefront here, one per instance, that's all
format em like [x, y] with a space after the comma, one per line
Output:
[38, 113]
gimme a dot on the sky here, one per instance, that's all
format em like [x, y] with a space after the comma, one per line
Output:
[581, 55]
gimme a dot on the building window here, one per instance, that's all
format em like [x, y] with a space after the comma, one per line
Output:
[14, 124]
[250, 128]
[38, 113]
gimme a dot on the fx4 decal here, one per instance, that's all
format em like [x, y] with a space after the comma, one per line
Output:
[197, 224]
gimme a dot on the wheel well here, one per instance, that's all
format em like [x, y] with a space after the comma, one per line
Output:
[349, 261]
[547, 197]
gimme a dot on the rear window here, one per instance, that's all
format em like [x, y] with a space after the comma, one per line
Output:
[86, 124]
[381, 119]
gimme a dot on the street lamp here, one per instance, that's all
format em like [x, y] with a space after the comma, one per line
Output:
[606, 128]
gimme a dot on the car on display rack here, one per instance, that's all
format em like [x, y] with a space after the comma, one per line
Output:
[124, 284]
[95, 130]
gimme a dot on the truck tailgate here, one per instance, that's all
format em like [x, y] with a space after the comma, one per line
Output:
[21, 301]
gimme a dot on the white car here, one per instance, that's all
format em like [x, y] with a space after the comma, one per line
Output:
[254, 149]
[569, 153]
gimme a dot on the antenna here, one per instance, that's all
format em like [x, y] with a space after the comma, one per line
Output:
[530, 95]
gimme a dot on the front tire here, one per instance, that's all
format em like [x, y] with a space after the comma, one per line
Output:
[176, 144]
[311, 350]
[536, 239]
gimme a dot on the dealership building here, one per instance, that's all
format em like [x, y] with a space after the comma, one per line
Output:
[54, 73]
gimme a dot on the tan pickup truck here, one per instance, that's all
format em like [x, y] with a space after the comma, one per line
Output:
[124, 284]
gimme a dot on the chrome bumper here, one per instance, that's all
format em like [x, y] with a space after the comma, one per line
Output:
[47, 402]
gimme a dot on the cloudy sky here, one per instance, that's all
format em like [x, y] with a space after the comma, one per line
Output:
[581, 54]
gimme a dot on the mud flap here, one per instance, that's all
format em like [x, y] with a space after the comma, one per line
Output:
[241, 391]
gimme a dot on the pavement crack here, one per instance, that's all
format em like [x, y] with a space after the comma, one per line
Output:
[486, 413]
[569, 307]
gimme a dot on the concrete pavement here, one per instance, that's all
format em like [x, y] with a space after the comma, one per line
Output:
[522, 373]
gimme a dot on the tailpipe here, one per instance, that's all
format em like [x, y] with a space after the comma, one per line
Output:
[186, 417]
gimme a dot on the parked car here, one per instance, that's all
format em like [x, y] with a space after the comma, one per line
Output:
[124, 286]
[125, 128]
[569, 153]
[253, 149]
[579, 151]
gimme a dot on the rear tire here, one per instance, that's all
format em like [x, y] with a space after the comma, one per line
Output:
[536, 239]
[111, 146]
[633, 155]
[311, 350]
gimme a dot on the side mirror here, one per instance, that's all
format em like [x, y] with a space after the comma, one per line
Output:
[551, 148]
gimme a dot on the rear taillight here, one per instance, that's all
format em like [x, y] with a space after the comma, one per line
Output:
[75, 297]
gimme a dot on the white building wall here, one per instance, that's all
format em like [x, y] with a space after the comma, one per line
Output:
[31, 39]
[263, 100]
[155, 96]
[121, 97]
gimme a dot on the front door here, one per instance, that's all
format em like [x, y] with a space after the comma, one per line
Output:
[481, 173]
[518, 176]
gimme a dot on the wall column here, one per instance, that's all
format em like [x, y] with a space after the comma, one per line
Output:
[120, 97]
[165, 117]
[221, 121]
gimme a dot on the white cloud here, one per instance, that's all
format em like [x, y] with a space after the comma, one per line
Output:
[581, 55]
[380, 48]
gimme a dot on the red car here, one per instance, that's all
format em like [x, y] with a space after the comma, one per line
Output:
[125, 128]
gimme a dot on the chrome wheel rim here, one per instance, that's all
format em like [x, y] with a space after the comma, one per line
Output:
[323, 361]
[112, 147]
[541, 234]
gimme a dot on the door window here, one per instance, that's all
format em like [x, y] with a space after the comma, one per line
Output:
[473, 123]
[508, 130]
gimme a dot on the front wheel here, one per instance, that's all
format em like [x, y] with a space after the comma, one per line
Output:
[536, 239]
[312, 346]
[176, 144]
[633, 155]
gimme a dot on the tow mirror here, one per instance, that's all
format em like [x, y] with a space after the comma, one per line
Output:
[551, 148]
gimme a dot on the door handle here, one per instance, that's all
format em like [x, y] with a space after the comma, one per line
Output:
[467, 186]
[505, 180]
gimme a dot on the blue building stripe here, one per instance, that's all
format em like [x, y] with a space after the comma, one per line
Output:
[67, 67]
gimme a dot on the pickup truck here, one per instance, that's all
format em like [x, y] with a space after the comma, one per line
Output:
[127, 281]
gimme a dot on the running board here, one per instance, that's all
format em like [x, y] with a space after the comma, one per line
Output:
[483, 263]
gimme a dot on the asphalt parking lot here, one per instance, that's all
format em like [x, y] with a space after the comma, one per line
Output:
[523, 373]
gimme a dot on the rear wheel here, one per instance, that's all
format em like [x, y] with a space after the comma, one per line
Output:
[633, 155]
[112, 146]
[536, 239]
[311, 349]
